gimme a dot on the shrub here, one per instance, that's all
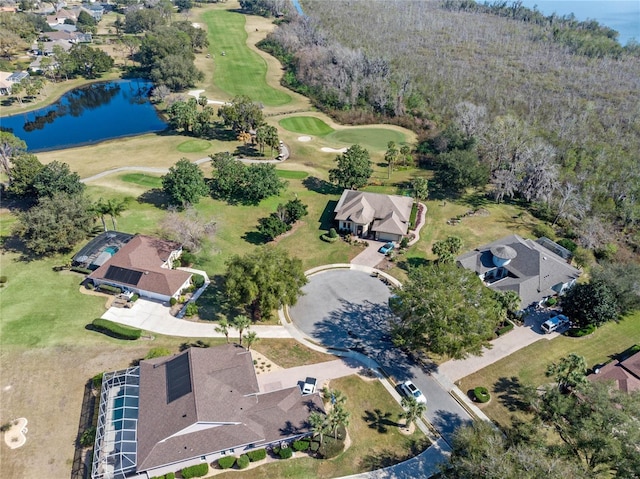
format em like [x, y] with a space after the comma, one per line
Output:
[404, 242]
[505, 329]
[328, 239]
[192, 309]
[109, 289]
[197, 280]
[157, 353]
[135, 298]
[226, 462]
[115, 329]
[332, 233]
[97, 380]
[580, 332]
[78, 269]
[173, 301]
[330, 447]
[88, 437]
[198, 470]
[3, 279]
[568, 244]
[301, 445]
[542, 229]
[481, 394]
[257, 455]
[170, 475]
[89, 285]
[187, 258]
[285, 453]
[243, 462]
[551, 301]
[314, 446]
[5, 427]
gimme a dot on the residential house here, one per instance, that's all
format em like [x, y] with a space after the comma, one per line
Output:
[59, 17]
[528, 267]
[197, 406]
[625, 374]
[143, 265]
[383, 217]
[7, 80]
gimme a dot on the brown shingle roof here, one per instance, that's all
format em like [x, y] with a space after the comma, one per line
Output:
[625, 374]
[390, 212]
[147, 255]
[223, 410]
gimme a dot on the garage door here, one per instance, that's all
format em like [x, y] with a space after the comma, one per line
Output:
[388, 237]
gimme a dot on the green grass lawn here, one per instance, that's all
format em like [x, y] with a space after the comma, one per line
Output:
[370, 138]
[142, 179]
[241, 71]
[528, 365]
[193, 146]
[373, 429]
[308, 125]
[292, 174]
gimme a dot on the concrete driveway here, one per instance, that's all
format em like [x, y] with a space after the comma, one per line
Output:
[370, 256]
[323, 372]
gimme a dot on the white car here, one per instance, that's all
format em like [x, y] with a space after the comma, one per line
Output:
[411, 389]
[309, 386]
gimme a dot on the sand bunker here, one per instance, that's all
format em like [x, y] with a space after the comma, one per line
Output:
[304, 138]
[196, 93]
[333, 150]
[16, 435]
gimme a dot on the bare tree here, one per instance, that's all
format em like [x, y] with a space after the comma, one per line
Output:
[188, 228]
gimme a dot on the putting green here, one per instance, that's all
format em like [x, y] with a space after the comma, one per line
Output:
[370, 138]
[193, 146]
[240, 70]
[292, 175]
[142, 179]
[307, 125]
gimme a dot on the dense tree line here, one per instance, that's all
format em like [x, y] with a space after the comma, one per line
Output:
[541, 120]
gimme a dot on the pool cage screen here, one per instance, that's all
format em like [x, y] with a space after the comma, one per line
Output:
[115, 450]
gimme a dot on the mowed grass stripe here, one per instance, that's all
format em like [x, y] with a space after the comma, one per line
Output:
[241, 71]
[307, 125]
[370, 138]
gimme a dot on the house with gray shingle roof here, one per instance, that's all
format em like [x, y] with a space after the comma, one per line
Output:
[521, 265]
[385, 217]
[197, 406]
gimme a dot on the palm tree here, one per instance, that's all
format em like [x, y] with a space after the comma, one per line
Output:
[318, 423]
[391, 156]
[412, 409]
[99, 208]
[261, 137]
[251, 337]
[570, 372]
[114, 209]
[241, 322]
[338, 416]
[223, 327]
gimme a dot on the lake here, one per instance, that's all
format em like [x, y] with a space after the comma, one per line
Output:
[87, 115]
[621, 15]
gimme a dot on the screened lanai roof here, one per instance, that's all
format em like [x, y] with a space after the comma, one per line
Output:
[100, 249]
[115, 451]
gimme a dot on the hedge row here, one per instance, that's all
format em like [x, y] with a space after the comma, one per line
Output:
[78, 269]
[169, 475]
[505, 329]
[243, 462]
[109, 289]
[115, 329]
[329, 239]
[578, 333]
[257, 455]
[198, 470]
[301, 445]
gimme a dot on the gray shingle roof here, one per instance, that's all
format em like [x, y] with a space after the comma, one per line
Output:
[533, 272]
[389, 213]
[223, 410]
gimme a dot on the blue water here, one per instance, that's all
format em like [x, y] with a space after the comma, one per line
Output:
[621, 15]
[298, 7]
[87, 115]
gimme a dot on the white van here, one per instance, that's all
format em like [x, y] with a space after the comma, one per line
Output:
[552, 324]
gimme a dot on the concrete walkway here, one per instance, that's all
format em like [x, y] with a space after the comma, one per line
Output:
[520, 337]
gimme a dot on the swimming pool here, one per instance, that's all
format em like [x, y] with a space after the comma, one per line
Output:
[111, 250]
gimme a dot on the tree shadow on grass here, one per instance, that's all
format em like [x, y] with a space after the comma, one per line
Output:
[222, 134]
[509, 392]
[317, 185]
[255, 237]
[326, 218]
[155, 197]
[378, 420]
[412, 262]
[247, 151]
[212, 304]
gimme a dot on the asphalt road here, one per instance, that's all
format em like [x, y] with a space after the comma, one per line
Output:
[349, 310]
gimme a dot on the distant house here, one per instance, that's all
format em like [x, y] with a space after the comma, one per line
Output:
[624, 374]
[525, 266]
[60, 16]
[193, 407]
[7, 80]
[142, 265]
[384, 217]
